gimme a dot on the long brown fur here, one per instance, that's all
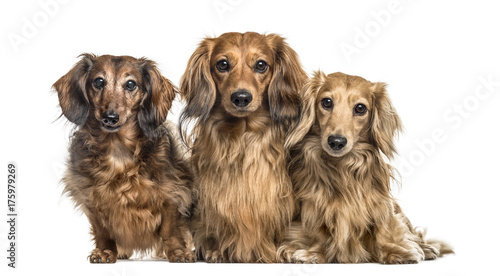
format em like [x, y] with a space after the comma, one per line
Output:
[347, 212]
[130, 179]
[238, 156]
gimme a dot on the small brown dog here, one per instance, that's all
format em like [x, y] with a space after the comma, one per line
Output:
[126, 169]
[342, 181]
[242, 90]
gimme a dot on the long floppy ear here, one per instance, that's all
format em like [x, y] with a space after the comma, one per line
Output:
[385, 122]
[286, 83]
[197, 87]
[158, 95]
[308, 94]
[71, 90]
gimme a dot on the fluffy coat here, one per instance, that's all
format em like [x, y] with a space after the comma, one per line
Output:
[347, 212]
[127, 171]
[238, 155]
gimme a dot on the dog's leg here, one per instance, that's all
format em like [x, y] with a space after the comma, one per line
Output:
[211, 252]
[299, 247]
[124, 254]
[105, 251]
[310, 256]
[172, 237]
[396, 244]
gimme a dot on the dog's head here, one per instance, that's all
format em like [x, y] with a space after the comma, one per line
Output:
[115, 91]
[344, 111]
[243, 73]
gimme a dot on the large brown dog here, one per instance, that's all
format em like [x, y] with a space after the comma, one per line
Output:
[126, 169]
[243, 92]
[342, 181]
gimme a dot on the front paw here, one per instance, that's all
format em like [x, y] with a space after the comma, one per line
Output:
[124, 254]
[306, 257]
[181, 256]
[285, 254]
[403, 257]
[102, 256]
[214, 256]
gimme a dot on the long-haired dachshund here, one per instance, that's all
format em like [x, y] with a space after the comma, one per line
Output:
[242, 91]
[126, 169]
[342, 181]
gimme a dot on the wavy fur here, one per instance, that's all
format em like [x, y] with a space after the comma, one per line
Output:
[246, 198]
[347, 212]
[132, 182]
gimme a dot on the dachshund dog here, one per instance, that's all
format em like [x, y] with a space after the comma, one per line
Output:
[242, 92]
[127, 169]
[342, 181]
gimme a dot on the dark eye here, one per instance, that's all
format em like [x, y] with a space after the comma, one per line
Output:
[360, 109]
[99, 83]
[327, 103]
[261, 66]
[130, 85]
[222, 65]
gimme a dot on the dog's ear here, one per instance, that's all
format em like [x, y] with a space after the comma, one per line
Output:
[286, 83]
[71, 90]
[158, 95]
[197, 87]
[308, 94]
[385, 122]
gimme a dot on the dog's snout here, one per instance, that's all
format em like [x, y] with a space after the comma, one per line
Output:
[110, 118]
[337, 142]
[241, 98]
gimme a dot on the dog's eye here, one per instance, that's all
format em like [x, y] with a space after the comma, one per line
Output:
[360, 109]
[99, 83]
[130, 85]
[327, 103]
[261, 66]
[222, 65]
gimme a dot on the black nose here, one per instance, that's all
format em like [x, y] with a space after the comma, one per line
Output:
[110, 118]
[241, 98]
[337, 142]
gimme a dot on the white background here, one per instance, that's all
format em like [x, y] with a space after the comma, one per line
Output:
[432, 54]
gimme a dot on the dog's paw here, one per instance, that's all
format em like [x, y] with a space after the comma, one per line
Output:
[181, 256]
[124, 254]
[102, 256]
[189, 257]
[430, 252]
[285, 254]
[214, 256]
[408, 257]
[305, 257]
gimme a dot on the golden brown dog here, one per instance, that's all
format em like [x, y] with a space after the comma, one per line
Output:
[242, 90]
[126, 169]
[342, 181]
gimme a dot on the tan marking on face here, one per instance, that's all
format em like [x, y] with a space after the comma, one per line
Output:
[114, 96]
[242, 51]
[341, 121]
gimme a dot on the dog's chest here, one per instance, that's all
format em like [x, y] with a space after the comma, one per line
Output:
[244, 178]
[127, 200]
[352, 210]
